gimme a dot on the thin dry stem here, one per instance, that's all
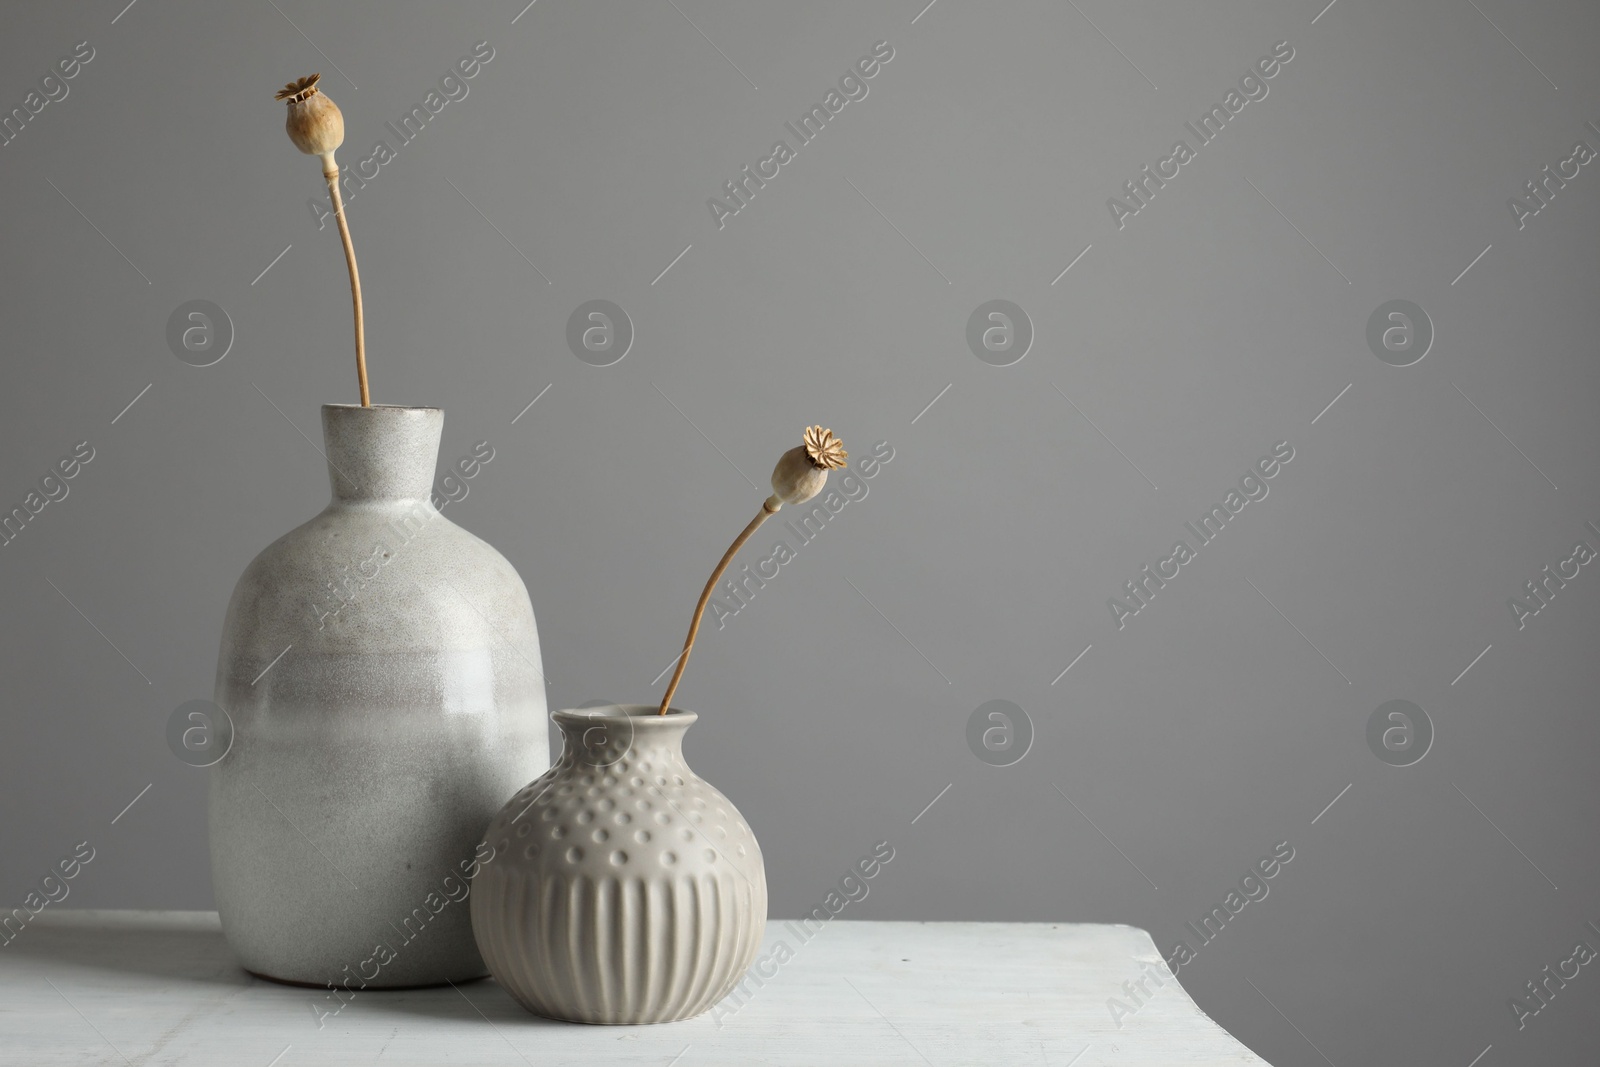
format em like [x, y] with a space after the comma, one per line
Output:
[330, 171]
[767, 508]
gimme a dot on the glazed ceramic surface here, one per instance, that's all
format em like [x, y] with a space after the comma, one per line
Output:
[623, 887]
[381, 669]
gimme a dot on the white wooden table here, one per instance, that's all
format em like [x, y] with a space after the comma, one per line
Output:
[125, 987]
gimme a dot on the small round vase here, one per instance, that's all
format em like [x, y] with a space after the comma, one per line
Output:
[623, 888]
[380, 666]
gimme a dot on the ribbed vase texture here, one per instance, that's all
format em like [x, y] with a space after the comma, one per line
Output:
[623, 888]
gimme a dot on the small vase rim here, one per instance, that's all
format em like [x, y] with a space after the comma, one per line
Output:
[624, 713]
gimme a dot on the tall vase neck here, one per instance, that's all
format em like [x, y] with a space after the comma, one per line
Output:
[381, 453]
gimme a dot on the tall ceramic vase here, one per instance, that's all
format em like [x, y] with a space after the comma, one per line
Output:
[623, 887]
[380, 666]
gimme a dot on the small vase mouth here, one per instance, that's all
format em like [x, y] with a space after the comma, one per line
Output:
[632, 716]
[603, 736]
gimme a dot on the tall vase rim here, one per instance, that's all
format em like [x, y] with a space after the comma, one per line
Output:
[381, 407]
[386, 454]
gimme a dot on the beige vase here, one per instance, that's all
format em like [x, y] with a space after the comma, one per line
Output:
[623, 888]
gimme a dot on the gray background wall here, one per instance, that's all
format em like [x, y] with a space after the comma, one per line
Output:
[1222, 319]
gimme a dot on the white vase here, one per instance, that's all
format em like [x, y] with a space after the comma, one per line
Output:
[623, 887]
[380, 666]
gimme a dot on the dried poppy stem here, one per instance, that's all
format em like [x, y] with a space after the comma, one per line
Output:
[705, 598]
[331, 173]
[316, 126]
[800, 475]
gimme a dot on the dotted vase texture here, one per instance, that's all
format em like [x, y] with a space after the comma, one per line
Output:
[623, 888]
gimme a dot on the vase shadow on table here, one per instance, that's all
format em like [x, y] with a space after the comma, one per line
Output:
[190, 948]
[75, 941]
